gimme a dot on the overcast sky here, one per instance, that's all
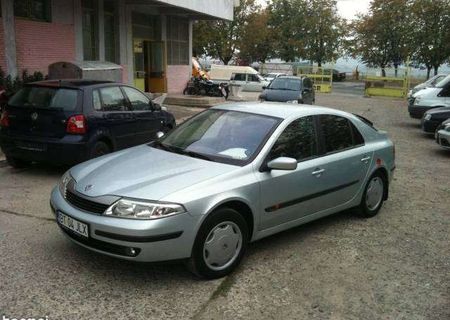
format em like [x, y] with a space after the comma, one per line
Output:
[347, 8]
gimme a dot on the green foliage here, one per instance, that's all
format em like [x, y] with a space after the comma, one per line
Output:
[383, 36]
[221, 38]
[431, 22]
[11, 85]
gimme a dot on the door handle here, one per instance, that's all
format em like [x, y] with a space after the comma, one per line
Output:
[365, 159]
[318, 172]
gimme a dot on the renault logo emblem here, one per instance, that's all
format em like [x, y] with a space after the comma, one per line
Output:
[34, 116]
[88, 187]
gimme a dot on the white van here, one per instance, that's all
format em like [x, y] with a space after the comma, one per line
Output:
[429, 98]
[246, 77]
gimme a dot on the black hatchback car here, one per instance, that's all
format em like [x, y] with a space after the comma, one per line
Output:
[433, 118]
[290, 89]
[70, 121]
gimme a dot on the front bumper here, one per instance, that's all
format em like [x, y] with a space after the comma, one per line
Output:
[68, 150]
[163, 239]
[415, 111]
[429, 126]
[443, 138]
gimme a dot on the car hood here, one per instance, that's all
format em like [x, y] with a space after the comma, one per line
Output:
[280, 95]
[443, 112]
[427, 92]
[144, 172]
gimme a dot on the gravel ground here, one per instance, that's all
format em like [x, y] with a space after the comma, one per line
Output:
[393, 266]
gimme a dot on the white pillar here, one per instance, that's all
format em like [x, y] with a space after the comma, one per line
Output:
[191, 24]
[9, 37]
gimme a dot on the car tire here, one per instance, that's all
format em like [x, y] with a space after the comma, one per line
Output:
[17, 163]
[100, 148]
[226, 232]
[373, 196]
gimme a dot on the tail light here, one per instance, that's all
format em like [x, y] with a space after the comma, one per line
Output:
[76, 124]
[4, 119]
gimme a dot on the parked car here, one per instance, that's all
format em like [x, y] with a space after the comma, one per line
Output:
[271, 76]
[433, 118]
[429, 98]
[430, 83]
[251, 82]
[66, 122]
[443, 134]
[230, 175]
[290, 89]
[338, 76]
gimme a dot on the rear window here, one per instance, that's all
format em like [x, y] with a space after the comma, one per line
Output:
[43, 97]
[286, 84]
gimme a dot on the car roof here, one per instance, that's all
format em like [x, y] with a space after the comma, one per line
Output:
[281, 110]
[70, 83]
[291, 77]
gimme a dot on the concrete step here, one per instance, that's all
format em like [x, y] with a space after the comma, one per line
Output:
[193, 101]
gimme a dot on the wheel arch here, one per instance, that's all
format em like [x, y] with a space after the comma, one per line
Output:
[240, 206]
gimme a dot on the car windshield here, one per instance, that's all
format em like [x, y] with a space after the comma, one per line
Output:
[219, 135]
[45, 97]
[285, 84]
[443, 82]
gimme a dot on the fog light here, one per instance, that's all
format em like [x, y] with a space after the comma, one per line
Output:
[132, 252]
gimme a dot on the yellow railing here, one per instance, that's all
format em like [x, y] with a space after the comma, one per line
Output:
[321, 77]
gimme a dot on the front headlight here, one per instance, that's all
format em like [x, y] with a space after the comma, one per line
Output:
[133, 209]
[416, 102]
[447, 127]
[427, 117]
[292, 101]
[65, 179]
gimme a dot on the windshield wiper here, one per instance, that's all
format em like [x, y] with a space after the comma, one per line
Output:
[196, 155]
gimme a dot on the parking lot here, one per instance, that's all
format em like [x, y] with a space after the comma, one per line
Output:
[393, 266]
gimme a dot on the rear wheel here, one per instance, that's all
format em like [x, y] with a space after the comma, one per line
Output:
[373, 196]
[17, 163]
[100, 148]
[220, 244]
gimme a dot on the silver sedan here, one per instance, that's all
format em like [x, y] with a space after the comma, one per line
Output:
[228, 176]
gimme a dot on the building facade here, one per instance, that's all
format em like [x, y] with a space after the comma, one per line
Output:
[151, 40]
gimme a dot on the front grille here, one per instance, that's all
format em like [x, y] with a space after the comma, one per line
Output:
[85, 204]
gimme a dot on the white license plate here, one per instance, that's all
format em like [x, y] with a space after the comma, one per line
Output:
[73, 224]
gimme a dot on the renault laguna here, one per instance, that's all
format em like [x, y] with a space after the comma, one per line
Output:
[228, 176]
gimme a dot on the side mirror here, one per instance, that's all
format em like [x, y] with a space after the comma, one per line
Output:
[283, 163]
[155, 106]
[264, 87]
[159, 134]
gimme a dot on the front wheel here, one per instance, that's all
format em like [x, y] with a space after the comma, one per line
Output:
[373, 196]
[220, 244]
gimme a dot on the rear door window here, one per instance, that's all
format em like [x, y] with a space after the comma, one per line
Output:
[338, 134]
[138, 100]
[113, 99]
[297, 141]
[239, 77]
[45, 97]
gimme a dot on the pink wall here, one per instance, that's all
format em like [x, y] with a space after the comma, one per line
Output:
[39, 44]
[177, 77]
[2, 49]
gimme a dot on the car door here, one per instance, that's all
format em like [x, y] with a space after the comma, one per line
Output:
[291, 195]
[307, 91]
[253, 83]
[240, 80]
[148, 120]
[118, 118]
[344, 161]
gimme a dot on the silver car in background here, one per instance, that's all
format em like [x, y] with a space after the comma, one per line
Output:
[228, 176]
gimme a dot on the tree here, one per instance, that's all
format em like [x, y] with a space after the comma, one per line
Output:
[221, 38]
[383, 36]
[257, 39]
[325, 30]
[431, 33]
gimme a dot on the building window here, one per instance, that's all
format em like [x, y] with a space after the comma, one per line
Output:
[110, 21]
[178, 41]
[39, 10]
[90, 30]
